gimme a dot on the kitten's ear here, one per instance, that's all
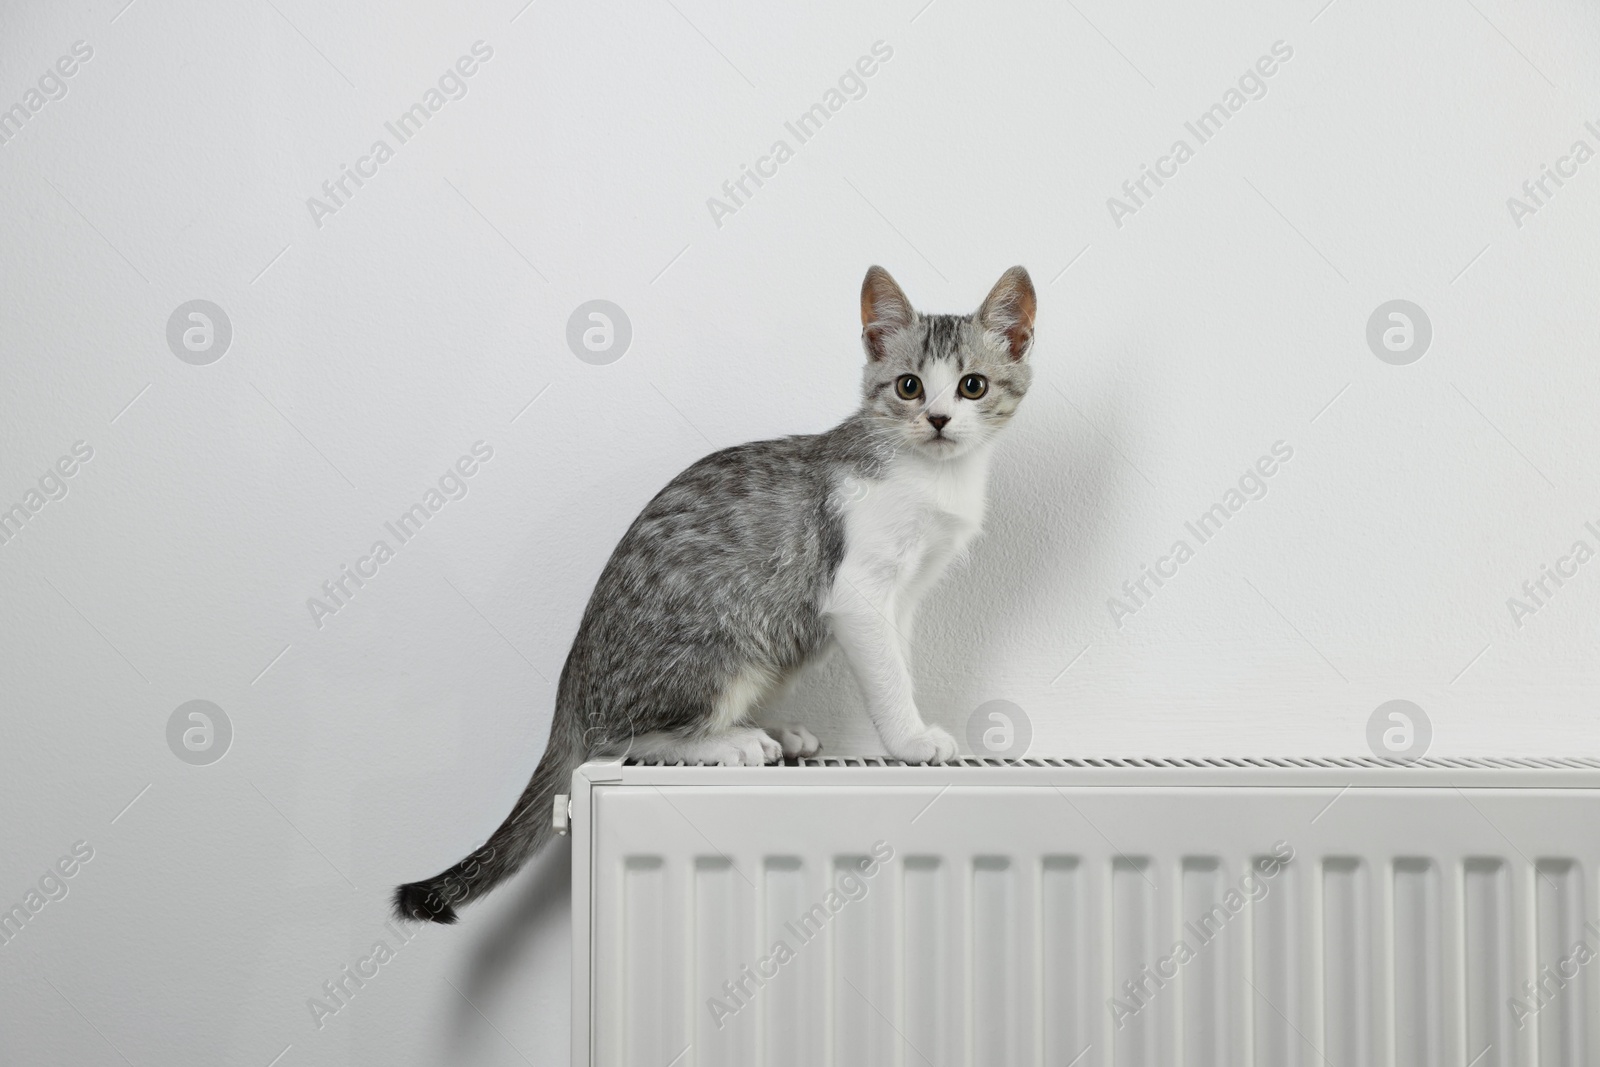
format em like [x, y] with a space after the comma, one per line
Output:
[884, 309]
[1009, 309]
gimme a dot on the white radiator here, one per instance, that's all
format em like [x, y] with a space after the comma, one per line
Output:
[1088, 913]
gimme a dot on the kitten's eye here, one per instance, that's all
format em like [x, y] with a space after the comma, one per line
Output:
[908, 386]
[973, 386]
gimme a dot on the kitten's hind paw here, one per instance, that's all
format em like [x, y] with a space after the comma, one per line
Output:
[747, 747]
[931, 745]
[796, 741]
[740, 747]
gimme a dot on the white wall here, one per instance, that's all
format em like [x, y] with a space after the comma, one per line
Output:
[371, 351]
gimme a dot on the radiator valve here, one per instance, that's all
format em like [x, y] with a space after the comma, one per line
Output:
[561, 818]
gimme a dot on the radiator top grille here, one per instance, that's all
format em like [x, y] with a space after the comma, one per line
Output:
[1449, 763]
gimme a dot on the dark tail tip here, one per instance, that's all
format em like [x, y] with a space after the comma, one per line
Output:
[415, 901]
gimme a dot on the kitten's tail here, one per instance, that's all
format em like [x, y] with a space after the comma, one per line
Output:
[524, 832]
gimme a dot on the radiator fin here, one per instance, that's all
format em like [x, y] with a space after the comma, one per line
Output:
[1489, 961]
[1346, 962]
[723, 964]
[1560, 975]
[1275, 969]
[1135, 978]
[861, 936]
[930, 998]
[1210, 1037]
[997, 1007]
[1417, 964]
[791, 1004]
[647, 1004]
[1065, 956]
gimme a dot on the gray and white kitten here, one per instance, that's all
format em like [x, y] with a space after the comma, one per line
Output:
[761, 558]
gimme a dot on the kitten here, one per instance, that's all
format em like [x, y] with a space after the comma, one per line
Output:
[759, 559]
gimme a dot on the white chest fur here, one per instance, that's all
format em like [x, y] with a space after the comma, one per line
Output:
[903, 530]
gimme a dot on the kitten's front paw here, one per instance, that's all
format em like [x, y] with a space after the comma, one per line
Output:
[754, 748]
[931, 745]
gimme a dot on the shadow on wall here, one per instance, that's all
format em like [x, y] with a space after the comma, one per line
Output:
[1048, 502]
[501, 949]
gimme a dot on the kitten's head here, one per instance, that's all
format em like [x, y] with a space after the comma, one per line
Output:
[945, 384]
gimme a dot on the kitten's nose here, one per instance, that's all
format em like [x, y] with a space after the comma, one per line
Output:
[938, 421]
